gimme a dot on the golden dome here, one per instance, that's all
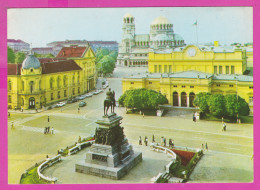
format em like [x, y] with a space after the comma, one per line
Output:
[161, 20]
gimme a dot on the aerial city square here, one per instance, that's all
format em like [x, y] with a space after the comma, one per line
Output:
[130, 95]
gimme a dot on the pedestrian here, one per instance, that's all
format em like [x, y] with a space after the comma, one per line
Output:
[9, 114]
[48, 118]
[202, 146]
[22, 109]
[224, 127]
[143, 114]
[52, 130]
[206, 146]
[47, 157]
[78, 110]
[15, 108]
[36, 109]
[44, 131]
[164, 141]
[193, 116]
[145, 140]
[79, 140]
[48, 129]
[140, 140]
[153, 139]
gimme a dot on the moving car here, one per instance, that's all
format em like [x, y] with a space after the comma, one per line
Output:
[82, 104]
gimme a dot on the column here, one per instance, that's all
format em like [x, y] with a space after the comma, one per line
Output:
[179, 103]
[188, 100]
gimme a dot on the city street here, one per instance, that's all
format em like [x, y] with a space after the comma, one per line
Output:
[229, 152]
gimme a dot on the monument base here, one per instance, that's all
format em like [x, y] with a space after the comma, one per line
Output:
[109, 172]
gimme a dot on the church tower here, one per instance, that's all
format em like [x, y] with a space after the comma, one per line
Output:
[129, 25]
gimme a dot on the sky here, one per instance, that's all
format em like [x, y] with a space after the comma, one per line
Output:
[41, 26]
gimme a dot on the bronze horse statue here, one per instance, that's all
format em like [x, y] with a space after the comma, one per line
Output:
[109, 102]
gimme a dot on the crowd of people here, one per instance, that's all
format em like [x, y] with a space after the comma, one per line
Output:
[163, 141]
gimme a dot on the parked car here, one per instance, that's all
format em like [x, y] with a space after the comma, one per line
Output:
[71, 100]
[80, 98]
[82, 104]
[60, 104]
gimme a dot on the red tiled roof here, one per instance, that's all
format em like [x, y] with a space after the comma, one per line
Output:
[73, 51]
[13, 70]
[48, 67]
[47, 59]
[59, 66]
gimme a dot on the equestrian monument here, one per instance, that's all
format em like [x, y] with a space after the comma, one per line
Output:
[111, 155]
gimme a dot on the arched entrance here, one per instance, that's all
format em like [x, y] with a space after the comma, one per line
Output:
[191, 97]
[125, 63]
[31, 103]
[183, 99]
[175, 99]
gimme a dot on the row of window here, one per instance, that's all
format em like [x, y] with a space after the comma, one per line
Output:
[140, 55]
[219, 70]
[64, 93]
[167, 68]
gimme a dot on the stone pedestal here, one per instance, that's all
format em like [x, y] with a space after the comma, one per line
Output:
[111, 155]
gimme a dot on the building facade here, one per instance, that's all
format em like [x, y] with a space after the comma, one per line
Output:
[134, 48]
[214, 60]
[180, 88]
[34, 84]
[18, 45]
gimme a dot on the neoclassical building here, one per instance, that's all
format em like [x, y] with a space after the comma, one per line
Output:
[33, 84]
[134, 48]
[182, 73]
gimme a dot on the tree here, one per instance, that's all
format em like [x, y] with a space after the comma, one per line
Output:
[235, 105]
[216, 104]
[142, 99]
[201, 100]
[106, 65]
[19, 57]
[10, 55]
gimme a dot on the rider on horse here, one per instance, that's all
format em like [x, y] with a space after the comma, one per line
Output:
[109, 101]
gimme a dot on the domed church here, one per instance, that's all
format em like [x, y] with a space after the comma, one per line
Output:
[134, 48]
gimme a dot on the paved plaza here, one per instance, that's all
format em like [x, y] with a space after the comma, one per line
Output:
[227, 160]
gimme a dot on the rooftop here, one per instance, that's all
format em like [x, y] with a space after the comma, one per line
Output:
[72, 51]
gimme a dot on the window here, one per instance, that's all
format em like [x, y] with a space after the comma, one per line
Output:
[73, 91]
[22, 85]
[65, 80]
[220, 70]
[232, 69]
[227, 69]
[170, 69]
[231, 85]
[160, 68]
[51, 83]
[65, 93]
[165, 68]
[183, 86]
[155, 68]
[39, 85]
[175, 86]
[58, 82]
[132, 82]
[58, 94]
[215, 70]
[250, 87]
[150, 83]
[31, 86]
[51, 96]
[250, 99]
[9, 99]
[73, 79]
[217, 84]
[9, 85]
[191, 86]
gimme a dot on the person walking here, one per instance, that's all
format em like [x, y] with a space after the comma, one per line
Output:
[145, 140]
[52, 130]
[164, 142]
[224, 127]
[153, 139]
[79, 140]
[44, 131]
[206, 146]
[48, 118]
[78, 110]
[9, 114]
[193, 116]
[140, 140]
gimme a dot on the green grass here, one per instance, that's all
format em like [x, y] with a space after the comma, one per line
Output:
[146, 112]
[32, 178]
[247, 119]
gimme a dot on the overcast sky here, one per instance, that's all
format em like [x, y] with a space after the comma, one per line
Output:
[41, 26]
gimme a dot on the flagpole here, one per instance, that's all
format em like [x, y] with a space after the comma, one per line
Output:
[197, 34]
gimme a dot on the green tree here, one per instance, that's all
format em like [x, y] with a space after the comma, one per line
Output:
[235, 105]
[19, 57]
[106, 65]
[216, 104]
[10, 55]
[201, 100]
[142, 99]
